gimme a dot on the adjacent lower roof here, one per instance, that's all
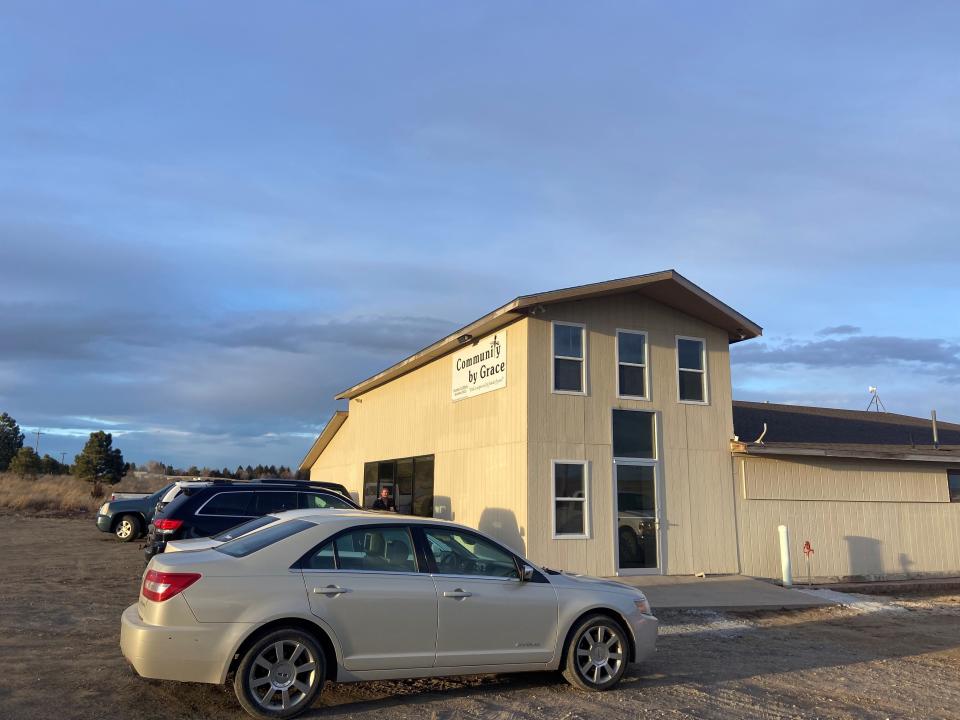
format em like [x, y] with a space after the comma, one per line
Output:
[667, 287]
[832, 432]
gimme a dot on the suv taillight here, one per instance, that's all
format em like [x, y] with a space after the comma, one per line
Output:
[160, 586]
[166, 525]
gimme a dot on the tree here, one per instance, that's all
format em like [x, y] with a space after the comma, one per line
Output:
[25, 463]
[52, 466]
[11, 440]
[99, 461]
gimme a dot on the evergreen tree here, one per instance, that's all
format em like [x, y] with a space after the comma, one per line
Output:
[11, 440]
[99, 461]
[25, 463]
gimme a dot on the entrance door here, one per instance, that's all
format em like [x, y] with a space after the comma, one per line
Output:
[638, 526]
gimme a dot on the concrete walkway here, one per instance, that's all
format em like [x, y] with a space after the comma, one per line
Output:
[718, 592]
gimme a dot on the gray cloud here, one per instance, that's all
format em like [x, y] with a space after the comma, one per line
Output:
[840, 330]
[931, 355]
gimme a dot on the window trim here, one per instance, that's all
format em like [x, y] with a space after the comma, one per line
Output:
[955, 472]
[583, 361]
[645, 366]
[586, 534]
[703, 373]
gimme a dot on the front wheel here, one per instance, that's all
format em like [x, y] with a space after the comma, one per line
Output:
[128, 528]
[597, 656]
[280, 675]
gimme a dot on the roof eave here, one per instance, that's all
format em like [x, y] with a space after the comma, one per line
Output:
[323, 439]
[946, 457]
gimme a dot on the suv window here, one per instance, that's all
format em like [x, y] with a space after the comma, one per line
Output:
[383, 549]
[250, 543]
[460, 553]
[324, 500]
[234, 504]
[271, 501]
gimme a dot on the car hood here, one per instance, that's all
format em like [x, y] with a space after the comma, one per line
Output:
[572, 580]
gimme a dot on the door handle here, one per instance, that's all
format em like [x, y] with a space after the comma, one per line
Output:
[330, 590]
[458, 593]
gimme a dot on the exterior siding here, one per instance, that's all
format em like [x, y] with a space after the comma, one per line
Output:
[863, 519]
[479, 443]
[697, 506]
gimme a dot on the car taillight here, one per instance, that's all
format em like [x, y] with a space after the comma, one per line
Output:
[166, 525]
[160, 586]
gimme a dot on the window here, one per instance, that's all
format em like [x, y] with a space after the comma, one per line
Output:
[408, 480]
[252, 542]
[568, 355]
[243, 528]
[228, 504]
[570, 508]
[322, 559]
[273, 501]
[953, 485]
[632, 364]
[461, 553]
[377, 549]
[633, 434]
[319, 501]
[691, 370]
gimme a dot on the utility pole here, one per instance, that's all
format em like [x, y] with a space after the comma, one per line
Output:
[63, 458]
[36, 448]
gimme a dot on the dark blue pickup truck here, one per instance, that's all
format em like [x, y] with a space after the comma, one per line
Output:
[129, 519]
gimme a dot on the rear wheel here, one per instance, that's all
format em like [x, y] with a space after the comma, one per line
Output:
[128, 528]
[597, 655]
[280, 675]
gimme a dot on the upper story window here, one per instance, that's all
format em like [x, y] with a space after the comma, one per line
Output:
[691, 370]
[953, 485]
[632, 364]
[569, 371]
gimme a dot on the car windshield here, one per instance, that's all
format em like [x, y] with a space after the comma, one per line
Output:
[245, 527]
[252, 542]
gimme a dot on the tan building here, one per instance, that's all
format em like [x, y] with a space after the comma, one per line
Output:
[589, 428]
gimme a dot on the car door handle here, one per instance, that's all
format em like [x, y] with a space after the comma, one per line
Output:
[458, 593]
[330, 590]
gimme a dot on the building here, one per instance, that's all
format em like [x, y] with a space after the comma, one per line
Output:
[589, 428]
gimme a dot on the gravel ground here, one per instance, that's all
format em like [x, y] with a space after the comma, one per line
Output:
[64, 586]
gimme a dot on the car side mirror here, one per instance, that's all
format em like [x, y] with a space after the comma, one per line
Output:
[526, 573]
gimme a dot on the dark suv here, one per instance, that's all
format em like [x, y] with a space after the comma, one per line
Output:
[212, 508]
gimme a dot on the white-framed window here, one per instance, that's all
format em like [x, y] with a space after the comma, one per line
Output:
[569, 367]
[632, 375]
[953, 485]
[692, 370]
[570, 483]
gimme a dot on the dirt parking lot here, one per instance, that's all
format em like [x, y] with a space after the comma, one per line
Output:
[64, 586]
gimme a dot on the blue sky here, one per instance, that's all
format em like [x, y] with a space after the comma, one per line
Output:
[213, 217]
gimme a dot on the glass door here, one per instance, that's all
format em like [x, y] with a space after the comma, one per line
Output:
[638, 526]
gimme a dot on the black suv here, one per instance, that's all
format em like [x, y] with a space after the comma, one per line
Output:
[209, 509]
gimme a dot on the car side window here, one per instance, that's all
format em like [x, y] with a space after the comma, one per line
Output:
[272, 501]
[461, 553]
[231, 504]
[322, 559]
[381, 549]
[319, 501]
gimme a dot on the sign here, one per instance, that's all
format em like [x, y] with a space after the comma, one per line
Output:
[480, 367]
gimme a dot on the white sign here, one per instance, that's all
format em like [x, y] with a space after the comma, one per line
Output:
[480, 367]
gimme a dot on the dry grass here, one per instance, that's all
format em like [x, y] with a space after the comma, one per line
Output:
[63, 494]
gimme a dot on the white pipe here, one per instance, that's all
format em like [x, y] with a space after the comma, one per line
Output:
[785, 556]
[759, 440]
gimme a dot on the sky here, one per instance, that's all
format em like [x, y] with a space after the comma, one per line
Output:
[215, 216]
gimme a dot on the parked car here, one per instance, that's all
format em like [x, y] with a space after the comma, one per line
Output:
[348, 596]
[178, 487]
[205, 509]
[128, 519]
[127, 496]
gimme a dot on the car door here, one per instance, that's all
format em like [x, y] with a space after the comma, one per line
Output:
[366, 584]
[486, 615]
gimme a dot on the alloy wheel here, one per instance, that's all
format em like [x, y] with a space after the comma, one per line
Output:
[599, 654]
[124, 529]
[282, 675]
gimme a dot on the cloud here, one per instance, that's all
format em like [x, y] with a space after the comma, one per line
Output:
[840, 330]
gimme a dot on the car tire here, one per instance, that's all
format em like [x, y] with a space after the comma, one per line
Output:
[288, 678]
[597, 654]
[128, 528]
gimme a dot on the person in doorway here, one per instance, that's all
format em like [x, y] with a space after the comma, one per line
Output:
[384, 502]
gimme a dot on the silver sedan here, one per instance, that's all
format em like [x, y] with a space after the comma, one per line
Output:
[348, 596]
